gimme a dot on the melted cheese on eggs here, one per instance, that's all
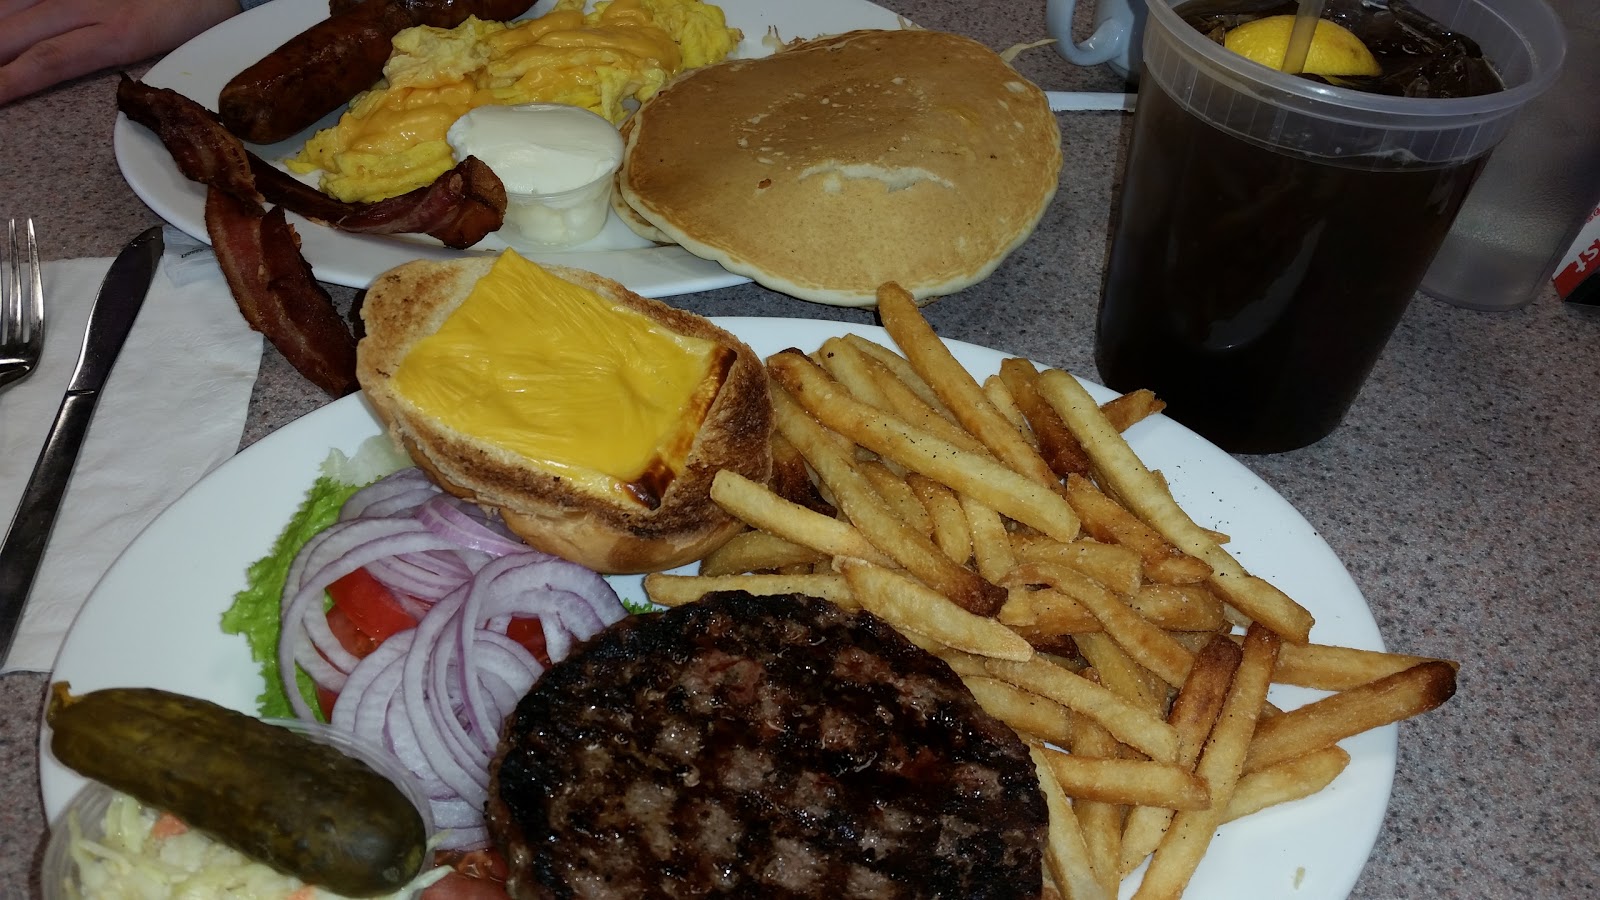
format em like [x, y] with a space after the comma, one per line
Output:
[392, 138]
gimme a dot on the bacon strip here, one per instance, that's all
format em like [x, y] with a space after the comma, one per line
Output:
[260, 256]
[203, 150]
[259, 251]
[459, 208]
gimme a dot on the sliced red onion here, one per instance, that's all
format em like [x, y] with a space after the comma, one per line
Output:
[436, 695]
[451, 521]
[303, 620]
[390, 495]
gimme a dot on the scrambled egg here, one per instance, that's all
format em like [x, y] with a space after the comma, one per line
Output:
[392, 139]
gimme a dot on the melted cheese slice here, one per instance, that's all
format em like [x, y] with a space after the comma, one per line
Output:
[565, 378]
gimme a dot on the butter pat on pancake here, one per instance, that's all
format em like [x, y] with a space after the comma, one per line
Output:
[838, 164]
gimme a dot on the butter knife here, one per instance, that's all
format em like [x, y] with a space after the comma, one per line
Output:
[121, 295]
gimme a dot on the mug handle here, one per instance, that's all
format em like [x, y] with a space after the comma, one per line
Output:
[1106, 42]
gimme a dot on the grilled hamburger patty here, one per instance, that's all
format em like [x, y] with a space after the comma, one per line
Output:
[761, 747]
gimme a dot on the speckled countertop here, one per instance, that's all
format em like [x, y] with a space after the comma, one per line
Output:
[1461, 492]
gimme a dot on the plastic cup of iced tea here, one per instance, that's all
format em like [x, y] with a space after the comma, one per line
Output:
[1273, 228]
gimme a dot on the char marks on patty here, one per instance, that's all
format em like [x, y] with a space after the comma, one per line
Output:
[762, 747]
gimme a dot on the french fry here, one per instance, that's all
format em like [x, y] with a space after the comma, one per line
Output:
[1063, 647]
[791, 480]
[902, 371]
[873, 382]
[1000, 396]
[755, 551]
[1024, 711]
[1065, 853]
[901, 500]
[1199, 701]
[967, 665]
[1194, 712]
[1019, 611]
[1105, 520]
[1114, 566]
[1099, 820]
[1180, 607]
[1330, 668]
[990, 483]
[847, 366]
[758, 507]
[1138, 782]
[1116, 463]
[1126, 722]
[949, 521]
[1057, 444]
[883, 527]
[1131, 408]
[991, 545]
[961, 393]
[1333, 718]
[676, 590]
[910, 606]
[1121, 675]
[1149, 646]
[1291, 780]
[1050, 612]
[1190, 833]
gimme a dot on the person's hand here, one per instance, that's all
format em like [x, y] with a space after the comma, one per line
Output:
[43, 42]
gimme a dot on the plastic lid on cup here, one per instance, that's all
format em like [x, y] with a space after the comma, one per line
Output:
[1523, 39]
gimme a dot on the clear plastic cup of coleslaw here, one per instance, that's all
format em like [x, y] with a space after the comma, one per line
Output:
[101, 844]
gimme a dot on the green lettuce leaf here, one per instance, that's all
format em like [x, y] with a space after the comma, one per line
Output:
[256, 609]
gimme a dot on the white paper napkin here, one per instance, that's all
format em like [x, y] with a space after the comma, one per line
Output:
[173, 410]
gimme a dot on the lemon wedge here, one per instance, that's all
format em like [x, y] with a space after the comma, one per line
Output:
[1334, 50]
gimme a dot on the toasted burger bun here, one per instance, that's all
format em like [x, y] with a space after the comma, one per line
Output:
[839, 164]
[553, 514]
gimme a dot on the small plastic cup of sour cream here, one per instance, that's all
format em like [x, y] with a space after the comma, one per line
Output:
[556, 162]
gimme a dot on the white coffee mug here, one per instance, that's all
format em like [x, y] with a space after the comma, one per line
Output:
[1118, 29]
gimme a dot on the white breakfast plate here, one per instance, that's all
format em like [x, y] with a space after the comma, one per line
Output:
[201, 67]
[153, 620]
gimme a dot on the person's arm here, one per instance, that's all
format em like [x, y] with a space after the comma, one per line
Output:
[44, 42]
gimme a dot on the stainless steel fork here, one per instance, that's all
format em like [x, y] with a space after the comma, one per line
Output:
[21, 305]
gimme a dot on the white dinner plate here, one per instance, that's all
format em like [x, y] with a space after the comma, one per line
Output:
[200, 68]
[153, 620]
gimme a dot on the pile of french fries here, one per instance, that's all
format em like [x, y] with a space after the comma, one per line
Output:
[1008, 528]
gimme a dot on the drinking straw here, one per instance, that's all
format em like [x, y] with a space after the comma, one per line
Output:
[1305, 27]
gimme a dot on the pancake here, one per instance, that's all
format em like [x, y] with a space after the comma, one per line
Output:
[629, 217]
[839, 164]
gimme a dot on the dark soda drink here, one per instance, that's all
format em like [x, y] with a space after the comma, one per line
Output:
[1253, 286]
[1253, 290]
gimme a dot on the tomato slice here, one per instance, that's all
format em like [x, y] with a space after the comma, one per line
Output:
[478, 875]
[325, 701]
[530, 634]
[457, 886]
[485, 863]
[357, 642]
[371, 607]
